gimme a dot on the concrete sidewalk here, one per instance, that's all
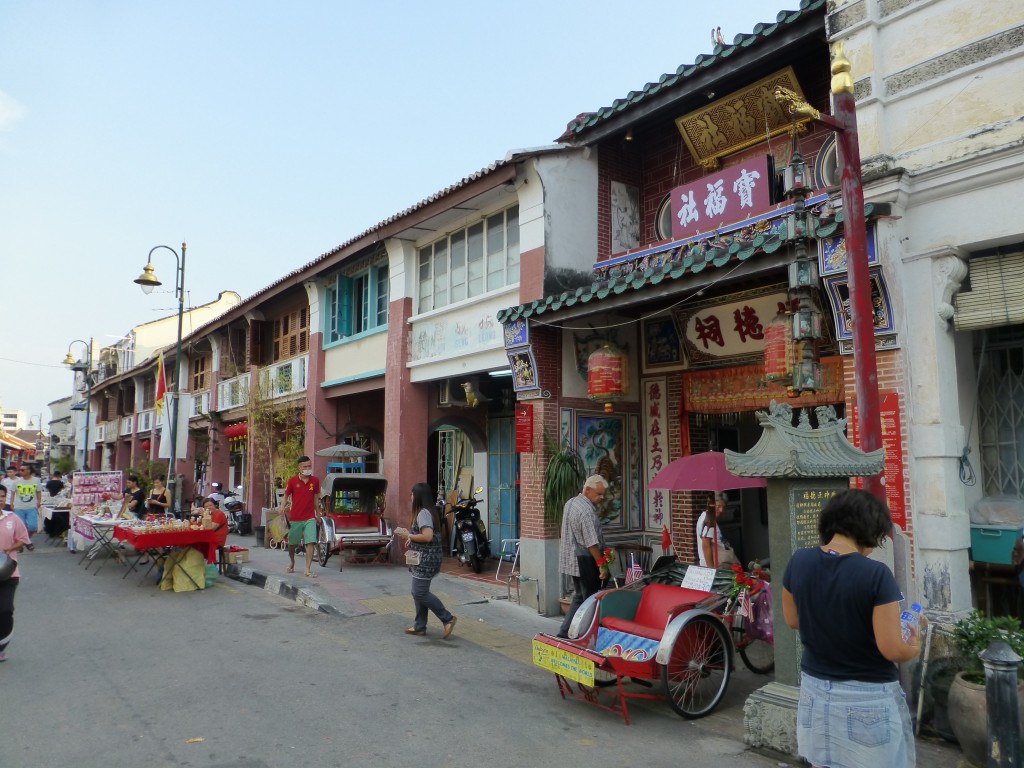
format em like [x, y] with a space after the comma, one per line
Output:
[506, 627]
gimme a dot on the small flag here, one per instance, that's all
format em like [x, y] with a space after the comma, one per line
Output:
[666, 539]
[634, 571]
[161, 386]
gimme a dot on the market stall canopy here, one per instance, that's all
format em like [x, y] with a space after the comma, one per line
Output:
[343, 451]
[701, 472]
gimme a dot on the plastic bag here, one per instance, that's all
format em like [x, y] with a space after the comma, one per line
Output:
[279, 528]
[760, 625]
[998, 510]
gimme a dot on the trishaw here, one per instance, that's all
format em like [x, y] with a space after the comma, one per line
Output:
[353, 520]
[654, 629]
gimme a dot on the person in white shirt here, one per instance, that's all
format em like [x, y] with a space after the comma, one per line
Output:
[707, 531]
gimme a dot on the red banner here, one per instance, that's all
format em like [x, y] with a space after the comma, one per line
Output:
[892, 442]
[524, 428]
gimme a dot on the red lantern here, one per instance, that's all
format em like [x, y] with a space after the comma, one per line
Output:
[146, 445]
[778, 348]
[607, 376]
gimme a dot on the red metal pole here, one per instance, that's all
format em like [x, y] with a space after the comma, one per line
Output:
[861, 313]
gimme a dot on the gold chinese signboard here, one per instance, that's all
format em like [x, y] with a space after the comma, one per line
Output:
[740, 120]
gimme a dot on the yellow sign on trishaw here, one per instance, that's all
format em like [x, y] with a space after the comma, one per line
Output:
[564, 663]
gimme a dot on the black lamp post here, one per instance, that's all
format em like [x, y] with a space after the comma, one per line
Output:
[148, 280]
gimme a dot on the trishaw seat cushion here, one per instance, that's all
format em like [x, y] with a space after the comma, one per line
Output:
[657, 603]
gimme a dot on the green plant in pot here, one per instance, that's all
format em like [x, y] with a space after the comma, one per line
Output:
[967, 711]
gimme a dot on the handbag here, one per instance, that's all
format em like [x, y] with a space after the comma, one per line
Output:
[412, 557]
[7, 566]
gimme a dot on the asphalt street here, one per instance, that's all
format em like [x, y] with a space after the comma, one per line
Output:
[106, 672]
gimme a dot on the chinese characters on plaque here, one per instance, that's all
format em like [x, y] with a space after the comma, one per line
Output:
[804, 511]
[655, 400]
[730, 195]
[730, 331]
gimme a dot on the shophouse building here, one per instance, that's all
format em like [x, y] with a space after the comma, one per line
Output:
[942, 143]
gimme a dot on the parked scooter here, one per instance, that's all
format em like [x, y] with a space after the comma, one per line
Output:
[239, 521]
[469, 536]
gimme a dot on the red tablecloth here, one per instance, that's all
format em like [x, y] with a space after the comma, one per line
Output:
[204, 541]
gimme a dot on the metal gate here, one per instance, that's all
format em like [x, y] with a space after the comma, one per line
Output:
[1001, 411]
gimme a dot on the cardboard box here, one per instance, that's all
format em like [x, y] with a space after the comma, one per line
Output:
[236, 557]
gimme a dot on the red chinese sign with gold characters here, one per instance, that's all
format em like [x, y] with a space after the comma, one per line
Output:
[655, 403]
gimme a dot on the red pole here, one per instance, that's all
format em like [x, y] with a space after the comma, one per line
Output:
[861, 313]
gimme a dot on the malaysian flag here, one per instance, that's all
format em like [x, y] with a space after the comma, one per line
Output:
[634, 571]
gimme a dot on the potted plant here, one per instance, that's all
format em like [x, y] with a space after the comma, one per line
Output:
[967, 711]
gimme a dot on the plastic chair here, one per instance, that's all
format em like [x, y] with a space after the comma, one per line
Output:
[509, 550]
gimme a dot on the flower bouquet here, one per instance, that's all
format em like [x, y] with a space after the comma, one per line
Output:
[604, 561]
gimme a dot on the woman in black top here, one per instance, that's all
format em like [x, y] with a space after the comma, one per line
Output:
[159, 500]
[852, 711]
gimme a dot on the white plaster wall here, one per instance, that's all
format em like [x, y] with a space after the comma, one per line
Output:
[570, 210]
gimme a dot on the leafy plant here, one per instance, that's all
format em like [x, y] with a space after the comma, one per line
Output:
[62, 464]
[563, 479]
[975, 632]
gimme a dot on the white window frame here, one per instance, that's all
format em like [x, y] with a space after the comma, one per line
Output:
[470, 262]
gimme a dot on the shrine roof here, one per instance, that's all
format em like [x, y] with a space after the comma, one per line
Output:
[674, 260]
[785, 450]
[762, 34]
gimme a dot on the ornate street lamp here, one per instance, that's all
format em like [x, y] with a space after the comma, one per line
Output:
[86, 369]
[148, 281]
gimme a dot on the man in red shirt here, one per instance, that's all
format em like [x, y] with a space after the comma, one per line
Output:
[302, 508]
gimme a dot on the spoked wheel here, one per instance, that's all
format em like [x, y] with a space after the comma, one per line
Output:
[323, 547]
[698, 670]
[758, 655]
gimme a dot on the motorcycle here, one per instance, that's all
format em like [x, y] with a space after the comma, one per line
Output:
[239, 521]
[469, 536]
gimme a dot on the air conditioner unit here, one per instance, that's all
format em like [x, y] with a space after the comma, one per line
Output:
[444, 395]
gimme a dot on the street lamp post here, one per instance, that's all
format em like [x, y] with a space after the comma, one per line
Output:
[86, 368]
[149, 281]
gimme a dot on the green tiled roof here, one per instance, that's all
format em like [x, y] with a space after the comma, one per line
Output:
[762, 33]
[671, 261]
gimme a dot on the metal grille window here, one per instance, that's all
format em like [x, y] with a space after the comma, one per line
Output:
[1001, 412]
[469, 262]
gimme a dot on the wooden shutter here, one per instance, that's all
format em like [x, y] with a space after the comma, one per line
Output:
[996, 295]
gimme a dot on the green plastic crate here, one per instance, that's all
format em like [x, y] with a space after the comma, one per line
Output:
[994, 543]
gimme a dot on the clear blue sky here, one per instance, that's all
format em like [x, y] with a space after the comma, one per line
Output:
[266, 133]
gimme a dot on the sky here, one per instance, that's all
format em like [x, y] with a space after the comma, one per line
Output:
[264, 134]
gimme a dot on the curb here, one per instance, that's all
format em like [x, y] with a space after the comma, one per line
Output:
[279, 586]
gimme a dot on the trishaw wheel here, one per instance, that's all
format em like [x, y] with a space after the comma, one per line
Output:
[698, 668]
[323, 547]
[758, 655]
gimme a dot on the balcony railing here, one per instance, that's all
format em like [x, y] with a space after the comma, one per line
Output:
[126, 425]
[233, 393]
[146, 419]
[285, 378]
[200, 403]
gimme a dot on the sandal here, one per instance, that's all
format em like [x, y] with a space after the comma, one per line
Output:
[290, 569]
[414, 631]
[310, 575]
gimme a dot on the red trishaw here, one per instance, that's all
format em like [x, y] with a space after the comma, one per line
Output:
[622, 640]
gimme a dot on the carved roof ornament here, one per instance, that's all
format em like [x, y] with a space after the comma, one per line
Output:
[794, 104]
[791, 451]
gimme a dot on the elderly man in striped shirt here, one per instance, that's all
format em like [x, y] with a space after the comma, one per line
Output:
[581, 546]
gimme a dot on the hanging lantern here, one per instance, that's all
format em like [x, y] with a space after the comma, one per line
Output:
[778, 348]
[607, 376]
[808, 376]
[796, 179]
[806, 324]
[146, 445]
[803, 273]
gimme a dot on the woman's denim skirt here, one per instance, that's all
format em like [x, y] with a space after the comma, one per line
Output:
[849, 724]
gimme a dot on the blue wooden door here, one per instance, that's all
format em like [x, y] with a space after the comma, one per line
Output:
[502, 489]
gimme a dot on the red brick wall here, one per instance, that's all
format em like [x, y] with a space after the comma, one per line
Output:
[546, 343]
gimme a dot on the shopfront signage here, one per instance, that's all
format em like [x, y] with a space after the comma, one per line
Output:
[733, 331]
[524, 428]
[726, 196]
[656, 447]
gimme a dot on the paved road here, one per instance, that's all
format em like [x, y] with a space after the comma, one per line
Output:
[104, 672]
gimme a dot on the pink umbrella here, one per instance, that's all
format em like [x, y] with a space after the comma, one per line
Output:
[702, 472]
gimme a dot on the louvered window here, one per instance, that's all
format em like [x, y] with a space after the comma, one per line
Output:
[358, 303]
[291, 334]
